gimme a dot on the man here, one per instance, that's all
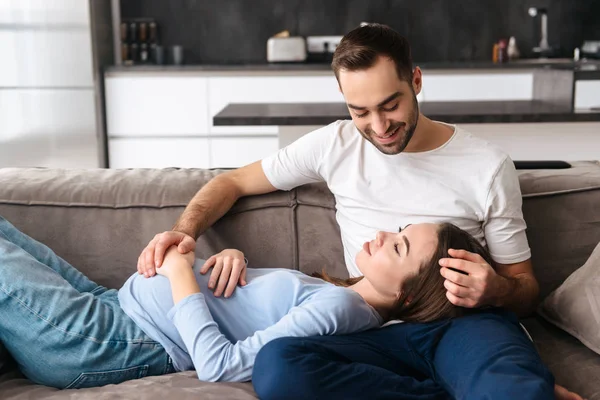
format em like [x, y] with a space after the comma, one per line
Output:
[387, 167]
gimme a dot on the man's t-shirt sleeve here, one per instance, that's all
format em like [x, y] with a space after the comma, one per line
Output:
[300, 162]
[504, 225]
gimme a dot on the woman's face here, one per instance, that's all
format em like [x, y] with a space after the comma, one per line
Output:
[392, 257]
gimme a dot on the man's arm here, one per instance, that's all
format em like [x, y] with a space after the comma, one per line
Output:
[215, 198]
[211, 202]
[292, 166]
[512, 286]
[518, 290]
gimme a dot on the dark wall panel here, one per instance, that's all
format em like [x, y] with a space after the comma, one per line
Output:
[236, 31]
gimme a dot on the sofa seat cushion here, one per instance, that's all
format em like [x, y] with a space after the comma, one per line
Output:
[573, 365]
[180, 386]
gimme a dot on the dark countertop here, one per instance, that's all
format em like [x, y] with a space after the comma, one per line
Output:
[586, 66]
[450, 112]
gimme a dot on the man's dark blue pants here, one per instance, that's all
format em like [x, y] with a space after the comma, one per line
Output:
[480, 356]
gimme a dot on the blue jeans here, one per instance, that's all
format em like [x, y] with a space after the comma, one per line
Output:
[481, 356]
[62, 329]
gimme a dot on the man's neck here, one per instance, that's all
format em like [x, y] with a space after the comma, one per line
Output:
[429, 135]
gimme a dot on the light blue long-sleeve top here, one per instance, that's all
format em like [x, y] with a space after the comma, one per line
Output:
[220, 337]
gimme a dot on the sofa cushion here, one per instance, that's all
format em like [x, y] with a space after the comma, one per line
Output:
[319, 240]
[573, 365]
[100, 220]
[180, 386]
[563, 219]
[575, 305]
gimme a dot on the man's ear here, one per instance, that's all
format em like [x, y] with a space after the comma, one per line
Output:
[417, 80]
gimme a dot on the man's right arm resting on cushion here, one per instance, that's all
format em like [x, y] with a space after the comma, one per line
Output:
[215, 198]
[292, 166]
[211, 202]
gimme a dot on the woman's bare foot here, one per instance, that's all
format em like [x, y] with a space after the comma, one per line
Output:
[562, 393]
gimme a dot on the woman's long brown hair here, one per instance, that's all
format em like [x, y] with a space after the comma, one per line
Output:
[423, 296]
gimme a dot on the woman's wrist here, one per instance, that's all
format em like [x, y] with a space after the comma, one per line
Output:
[183, 283]
[176, 263]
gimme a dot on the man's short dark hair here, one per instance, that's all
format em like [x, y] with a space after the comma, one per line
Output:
[360, 49]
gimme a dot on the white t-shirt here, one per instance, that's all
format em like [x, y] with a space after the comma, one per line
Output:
[466, 181]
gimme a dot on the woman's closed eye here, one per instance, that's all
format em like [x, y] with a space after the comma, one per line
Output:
[396, 248]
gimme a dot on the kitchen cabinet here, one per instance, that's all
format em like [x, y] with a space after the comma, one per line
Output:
[136, 152]
[477, 86]
[156, 106]
[237, 151]
[267, 89]
[587, 94]
[164, 117]
[569, 141]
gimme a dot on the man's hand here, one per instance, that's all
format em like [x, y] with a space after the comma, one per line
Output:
[470, 281]
[176, 263]
[153, 255]
[229, 269]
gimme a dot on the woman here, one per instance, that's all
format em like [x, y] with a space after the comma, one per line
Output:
[66, 331]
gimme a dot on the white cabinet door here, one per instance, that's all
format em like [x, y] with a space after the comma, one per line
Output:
[477, 86]
[234, 152]
[158, 152]
[587, 94]
[156, 106]
[267, 89]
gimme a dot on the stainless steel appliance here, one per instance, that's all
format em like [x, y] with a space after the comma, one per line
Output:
[51, 102]
[591, 49]
[286, 49]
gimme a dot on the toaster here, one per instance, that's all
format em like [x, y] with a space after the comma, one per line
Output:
[286, 49]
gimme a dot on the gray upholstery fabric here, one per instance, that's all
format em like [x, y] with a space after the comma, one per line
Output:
[180, 386]
[573, 365]
[575, 305]
[563, 220]
[100, 220]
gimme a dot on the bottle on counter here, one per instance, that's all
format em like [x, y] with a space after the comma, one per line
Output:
[502, 51]
[512, 50]
[132, 32]
[153, 32]
[144, 53]
[495, 53]
[143, 32]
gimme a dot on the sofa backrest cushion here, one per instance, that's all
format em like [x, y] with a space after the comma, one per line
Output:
[100, 220]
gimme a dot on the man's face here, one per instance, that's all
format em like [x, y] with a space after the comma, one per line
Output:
[383, 107]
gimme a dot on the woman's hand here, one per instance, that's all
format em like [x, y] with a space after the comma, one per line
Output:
[175, 262]
[229, 269]
[177, 268]
[152, 256]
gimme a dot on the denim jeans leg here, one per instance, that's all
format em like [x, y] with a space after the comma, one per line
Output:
[47, 257]
[59, 336]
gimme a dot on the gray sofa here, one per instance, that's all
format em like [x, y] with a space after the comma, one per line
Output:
[100, 220]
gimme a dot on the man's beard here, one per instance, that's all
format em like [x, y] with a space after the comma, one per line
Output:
[406, 130]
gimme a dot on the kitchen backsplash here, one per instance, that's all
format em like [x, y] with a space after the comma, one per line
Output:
[236, 31]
